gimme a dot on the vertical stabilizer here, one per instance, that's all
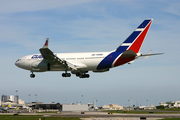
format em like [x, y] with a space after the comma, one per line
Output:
[135, 40]
[128, 50]
[46, 43]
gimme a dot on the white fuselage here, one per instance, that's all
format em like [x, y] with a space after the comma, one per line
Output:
[84, 61]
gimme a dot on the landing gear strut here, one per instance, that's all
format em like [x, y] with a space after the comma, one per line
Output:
[32, 75]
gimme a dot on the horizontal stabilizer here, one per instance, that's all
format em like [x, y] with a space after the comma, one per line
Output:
[147, 55]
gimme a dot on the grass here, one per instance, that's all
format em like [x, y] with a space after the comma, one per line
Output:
[171, 109]
[170, 119]
[140, 112]
[36, 118]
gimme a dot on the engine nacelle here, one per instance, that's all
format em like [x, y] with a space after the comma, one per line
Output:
[40, 65]
[74, 72]
[103, 70]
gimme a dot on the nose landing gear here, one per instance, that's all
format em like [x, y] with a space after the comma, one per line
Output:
[32, 75]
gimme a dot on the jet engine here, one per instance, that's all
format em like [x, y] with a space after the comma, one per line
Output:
[40, 66]
[102, 70]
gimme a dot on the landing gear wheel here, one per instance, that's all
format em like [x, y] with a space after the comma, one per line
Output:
[87, 75]
[78, 74]
[66, 75]
[63, 75]
[84, 76]
[32, 75]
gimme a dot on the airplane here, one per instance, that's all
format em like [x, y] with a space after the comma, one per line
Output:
[80, 63]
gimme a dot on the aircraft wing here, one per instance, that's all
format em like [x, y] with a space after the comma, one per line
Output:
[49, 55]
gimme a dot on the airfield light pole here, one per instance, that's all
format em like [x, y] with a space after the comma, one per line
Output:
[82, 98]
[29, 98]
[36, 98]
[17, 98]
[16, 92]
[94, 102]
[65, 100]
[17, 95]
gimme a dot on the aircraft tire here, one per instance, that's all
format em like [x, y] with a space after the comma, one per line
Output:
[63, 75]
[77, 74]
[32, 75]
[87, 76]
[68, 75]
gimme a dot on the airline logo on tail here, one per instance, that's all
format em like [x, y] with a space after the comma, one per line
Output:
[46, 43]
[128, 50]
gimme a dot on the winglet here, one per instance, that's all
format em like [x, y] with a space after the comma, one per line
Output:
[46, 43]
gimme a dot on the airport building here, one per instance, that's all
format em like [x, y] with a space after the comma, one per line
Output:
[170, 104]
[10, 98]
[62, 107]
[48, 106]
[112, 107]
[75, 107]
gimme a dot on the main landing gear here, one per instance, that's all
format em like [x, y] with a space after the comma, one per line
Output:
[66, 74]
[32, 75]
[82, 75]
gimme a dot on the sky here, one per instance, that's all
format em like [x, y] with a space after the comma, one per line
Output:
[89, 26]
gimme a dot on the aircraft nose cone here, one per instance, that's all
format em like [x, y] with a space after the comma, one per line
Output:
[17, 63]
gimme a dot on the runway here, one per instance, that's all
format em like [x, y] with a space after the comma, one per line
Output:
[102, 115]
[105, 114]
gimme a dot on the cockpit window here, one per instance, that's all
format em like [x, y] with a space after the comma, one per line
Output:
[18, 60]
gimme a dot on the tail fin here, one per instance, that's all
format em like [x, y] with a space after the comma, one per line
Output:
[135, 40]
[46, 43]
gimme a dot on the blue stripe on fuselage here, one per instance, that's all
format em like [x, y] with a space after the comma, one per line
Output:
[108, 60]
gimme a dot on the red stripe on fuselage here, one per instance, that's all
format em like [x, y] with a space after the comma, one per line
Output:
[121, 61]
[138, 42]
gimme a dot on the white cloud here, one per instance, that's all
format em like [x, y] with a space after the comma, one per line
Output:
[13, 6]
[173, 7]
